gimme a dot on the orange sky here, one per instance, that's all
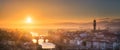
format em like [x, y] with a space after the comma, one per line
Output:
[15, 12]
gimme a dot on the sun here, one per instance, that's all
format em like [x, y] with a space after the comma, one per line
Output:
[28, 19]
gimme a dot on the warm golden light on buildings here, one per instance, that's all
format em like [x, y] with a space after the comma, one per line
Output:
[34, 40]
[34, 34]
[40, 41]
[46, 40]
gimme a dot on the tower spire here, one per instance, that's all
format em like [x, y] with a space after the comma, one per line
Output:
[94, 25]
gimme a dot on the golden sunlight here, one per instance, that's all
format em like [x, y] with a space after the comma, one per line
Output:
[29, 19]
[34, 40]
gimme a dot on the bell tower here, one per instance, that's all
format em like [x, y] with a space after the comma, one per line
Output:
[94, 25]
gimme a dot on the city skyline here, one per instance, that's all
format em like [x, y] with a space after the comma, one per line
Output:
[59, 24]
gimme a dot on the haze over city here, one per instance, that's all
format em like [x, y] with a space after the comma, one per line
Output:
[57, 11]
[59, 24]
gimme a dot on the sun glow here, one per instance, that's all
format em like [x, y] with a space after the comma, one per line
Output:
[29, 19]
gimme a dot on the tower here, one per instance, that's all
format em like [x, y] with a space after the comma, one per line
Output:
[94, 25]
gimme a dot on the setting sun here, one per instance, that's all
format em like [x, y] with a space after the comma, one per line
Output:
[59, 24]
[28, 20]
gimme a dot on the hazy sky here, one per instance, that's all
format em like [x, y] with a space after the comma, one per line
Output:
[53, 11]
